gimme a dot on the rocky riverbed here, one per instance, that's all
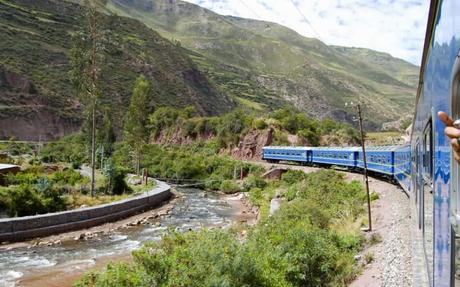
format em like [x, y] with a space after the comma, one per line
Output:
[60, 260]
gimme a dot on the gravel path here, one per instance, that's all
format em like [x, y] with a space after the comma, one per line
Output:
[392, 264]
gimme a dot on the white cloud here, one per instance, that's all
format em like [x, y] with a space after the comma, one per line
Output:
[393, 26]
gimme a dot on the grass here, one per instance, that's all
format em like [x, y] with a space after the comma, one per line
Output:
[140, 188]
[384, 138]
[78, 200]
[253, 105]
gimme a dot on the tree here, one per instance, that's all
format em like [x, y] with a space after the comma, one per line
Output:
[86, 59]
[136, 119]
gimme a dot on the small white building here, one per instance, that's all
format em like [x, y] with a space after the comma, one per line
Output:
[8, 168]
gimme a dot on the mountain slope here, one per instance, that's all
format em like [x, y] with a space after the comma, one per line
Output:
[265, 65]
[36, 96]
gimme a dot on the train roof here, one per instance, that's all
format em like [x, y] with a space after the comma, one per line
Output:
[336, 148]
[383, 148]
[288, 147]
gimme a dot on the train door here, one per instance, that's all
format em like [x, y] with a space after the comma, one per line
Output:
[455, 182]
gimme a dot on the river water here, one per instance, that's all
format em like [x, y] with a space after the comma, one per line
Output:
[197, 209]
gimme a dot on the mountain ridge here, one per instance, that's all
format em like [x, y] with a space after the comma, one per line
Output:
[331, 74]
[35, 51]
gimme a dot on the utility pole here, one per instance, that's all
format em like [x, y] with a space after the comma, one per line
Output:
[366, 179]
[363, 147]
[93, 148]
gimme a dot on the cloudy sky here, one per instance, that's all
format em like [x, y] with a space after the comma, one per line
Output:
[393, 26]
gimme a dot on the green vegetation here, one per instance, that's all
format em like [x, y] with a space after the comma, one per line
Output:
[86, 58]
[37, 55]
[313, 130]
[36, 190]
[70, 149]
[230, 128]
[310, 241]
[135, 126]
[195, 163]
[54, 187]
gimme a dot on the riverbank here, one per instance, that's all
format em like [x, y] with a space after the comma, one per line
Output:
[190, 209]
[99, 230]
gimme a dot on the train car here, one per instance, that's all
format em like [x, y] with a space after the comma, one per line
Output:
[340, 156]
[435, 180]
[402, 166]
[294, 154]
[380, 159]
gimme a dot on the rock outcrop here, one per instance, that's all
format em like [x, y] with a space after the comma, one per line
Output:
[250, 147]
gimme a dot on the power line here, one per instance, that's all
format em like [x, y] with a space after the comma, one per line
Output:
[306, 21]
[250, 9]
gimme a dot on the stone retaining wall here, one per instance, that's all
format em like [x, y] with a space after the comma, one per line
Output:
[21, 228]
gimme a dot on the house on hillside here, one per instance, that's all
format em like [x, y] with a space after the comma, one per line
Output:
[7, 168]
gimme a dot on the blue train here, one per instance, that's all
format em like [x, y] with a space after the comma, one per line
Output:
[425, 168]
[393, 162]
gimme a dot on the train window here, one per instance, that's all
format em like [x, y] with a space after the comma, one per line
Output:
[428, 153]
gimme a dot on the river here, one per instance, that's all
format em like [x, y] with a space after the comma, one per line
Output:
[34, 266]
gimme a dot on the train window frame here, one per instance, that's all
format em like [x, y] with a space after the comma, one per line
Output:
[428, 154]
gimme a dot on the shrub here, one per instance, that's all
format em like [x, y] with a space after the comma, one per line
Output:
[293, 176]
[70, 149]
[27, 200]
[115, 179]
[253, 181]
[229, 186]
[260, 124]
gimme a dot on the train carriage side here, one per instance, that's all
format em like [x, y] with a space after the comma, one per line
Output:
[339, 156]
[435, 175]
[380, 159]
[280, 153]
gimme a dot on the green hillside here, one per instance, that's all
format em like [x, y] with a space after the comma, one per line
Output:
[265, 65]
[36, 96]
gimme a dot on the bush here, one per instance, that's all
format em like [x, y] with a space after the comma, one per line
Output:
[28, 200]
[293, 176]
[115, 179]
[253, 181]
[229, 186]
[71, 149]
[260, 124]
[67, 176]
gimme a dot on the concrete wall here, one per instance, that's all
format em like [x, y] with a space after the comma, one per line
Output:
[275, 173]
[21, 228]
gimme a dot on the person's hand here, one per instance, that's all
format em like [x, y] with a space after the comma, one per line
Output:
[453, 133]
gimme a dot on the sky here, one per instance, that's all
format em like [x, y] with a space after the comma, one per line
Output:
[393, 26]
